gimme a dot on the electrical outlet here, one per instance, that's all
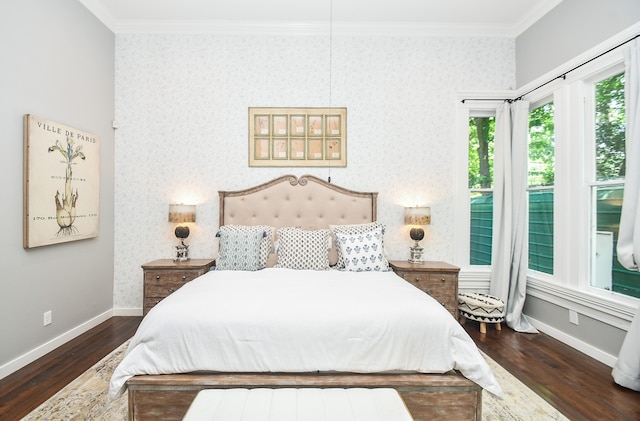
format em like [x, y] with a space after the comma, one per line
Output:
[573, 317]
[47, 318]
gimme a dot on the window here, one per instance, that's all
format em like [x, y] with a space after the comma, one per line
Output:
[481, 131]
[541, 175]
[607, 188]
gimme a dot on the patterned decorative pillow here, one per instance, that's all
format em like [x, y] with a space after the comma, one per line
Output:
[303, 249]
[363, 252]
[266, 244]
[354, 230]
[239, 250]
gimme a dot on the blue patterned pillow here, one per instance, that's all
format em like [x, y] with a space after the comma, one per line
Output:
[266, 245]
[363, 252]
[239, 251]
[303, 249]
[353, 230]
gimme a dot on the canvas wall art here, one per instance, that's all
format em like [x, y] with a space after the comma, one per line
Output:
[61, 183]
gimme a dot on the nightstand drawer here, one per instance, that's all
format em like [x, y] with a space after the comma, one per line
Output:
[160, 281]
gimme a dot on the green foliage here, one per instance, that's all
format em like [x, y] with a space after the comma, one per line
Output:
[610, 128]
[541, 146]
[481, 132]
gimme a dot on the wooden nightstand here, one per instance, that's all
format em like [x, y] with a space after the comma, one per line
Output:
[438, 279]
[164, 276]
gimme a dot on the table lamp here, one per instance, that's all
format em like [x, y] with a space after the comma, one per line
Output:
[180, 214]
[416, 217]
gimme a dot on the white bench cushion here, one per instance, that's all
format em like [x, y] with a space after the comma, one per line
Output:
[289, 404]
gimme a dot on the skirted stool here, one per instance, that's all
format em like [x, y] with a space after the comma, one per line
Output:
[482, 308]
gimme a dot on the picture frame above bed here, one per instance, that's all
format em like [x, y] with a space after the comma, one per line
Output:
[298, 137]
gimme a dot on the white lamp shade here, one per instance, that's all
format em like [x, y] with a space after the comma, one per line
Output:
[417, 215]
[180, 213]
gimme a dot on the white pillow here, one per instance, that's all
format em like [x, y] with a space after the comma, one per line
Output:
[303, 249]
[362, 252]
[353, 230]
[266, 243]
[239, 250]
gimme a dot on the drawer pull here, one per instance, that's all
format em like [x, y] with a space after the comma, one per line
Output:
[417, 279]
[443, 279]
[157, 277]
[184, 277]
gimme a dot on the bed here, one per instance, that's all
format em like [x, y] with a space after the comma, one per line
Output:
[354, 327]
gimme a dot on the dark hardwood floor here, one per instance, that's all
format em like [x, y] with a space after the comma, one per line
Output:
[577, 385]
[574, 383]
[27, 388]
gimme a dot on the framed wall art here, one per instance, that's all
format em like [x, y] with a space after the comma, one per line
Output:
[61, 183]
[297, 137]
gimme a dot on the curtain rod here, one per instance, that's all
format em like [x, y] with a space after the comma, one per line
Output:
[562, 76]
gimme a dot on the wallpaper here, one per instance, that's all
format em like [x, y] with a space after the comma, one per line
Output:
[182, 114]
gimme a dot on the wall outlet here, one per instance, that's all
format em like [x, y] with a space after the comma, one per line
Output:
[573, 317]
[47, 318]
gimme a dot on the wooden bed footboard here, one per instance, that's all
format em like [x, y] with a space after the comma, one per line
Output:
[427, 396]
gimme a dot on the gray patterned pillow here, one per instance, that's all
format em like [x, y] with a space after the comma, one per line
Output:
[362, 252]
[303, 249]
[266, 243]
[354, 230]
[239, 250]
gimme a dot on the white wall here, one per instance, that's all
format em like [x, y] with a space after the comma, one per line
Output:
[58, 63]
[182, 109]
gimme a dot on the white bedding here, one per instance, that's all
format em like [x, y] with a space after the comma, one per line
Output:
[284, 320]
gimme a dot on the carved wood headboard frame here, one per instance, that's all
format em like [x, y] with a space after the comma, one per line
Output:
[306, 202]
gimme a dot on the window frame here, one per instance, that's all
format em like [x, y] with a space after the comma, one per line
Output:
[569, 286]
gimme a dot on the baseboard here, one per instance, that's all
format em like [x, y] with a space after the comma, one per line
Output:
[127, 311]
[44, 349]
[581, 346]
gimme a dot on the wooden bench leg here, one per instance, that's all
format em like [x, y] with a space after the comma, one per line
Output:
[498, 326]
[483, 327]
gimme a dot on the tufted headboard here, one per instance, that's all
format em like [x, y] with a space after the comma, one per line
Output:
[289, 201]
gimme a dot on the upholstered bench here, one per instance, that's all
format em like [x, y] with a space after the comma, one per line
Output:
[335, 404]
[482, 308]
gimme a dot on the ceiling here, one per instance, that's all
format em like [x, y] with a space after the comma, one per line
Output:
[466, 17]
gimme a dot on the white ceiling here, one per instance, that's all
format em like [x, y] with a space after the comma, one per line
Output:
[477, 17]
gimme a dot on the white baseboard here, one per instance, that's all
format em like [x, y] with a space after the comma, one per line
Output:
[127, 312]
[583, 347]
[44, 349]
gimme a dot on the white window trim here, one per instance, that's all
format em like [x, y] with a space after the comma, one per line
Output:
[569, 285]
[480, 104]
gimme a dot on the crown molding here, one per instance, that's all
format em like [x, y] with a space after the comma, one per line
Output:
[312, 28]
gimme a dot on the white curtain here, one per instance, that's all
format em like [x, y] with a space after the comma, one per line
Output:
[510, 243]
[626, 371]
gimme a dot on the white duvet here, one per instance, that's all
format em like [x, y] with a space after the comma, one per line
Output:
[283, 320]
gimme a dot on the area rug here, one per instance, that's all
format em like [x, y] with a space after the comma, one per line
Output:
[86, 398]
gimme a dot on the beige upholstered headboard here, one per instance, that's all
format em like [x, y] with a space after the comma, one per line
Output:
[289, 201]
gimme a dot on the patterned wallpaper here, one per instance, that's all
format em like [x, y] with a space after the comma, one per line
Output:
[182, 104]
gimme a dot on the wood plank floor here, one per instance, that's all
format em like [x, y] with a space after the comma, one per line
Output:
[574, 383]
[578, 386]
[27, 388]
